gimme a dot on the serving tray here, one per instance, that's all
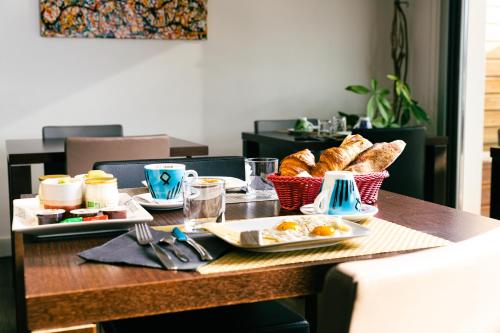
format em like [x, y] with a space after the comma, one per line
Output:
[230, 232]
[25, 220]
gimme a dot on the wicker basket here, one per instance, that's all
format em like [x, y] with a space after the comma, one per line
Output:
[294, 192]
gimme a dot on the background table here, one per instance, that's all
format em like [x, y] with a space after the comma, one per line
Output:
[280, 144]
[60, 290]
[22, 153]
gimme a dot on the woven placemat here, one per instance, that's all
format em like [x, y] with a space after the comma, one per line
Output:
[385, 237]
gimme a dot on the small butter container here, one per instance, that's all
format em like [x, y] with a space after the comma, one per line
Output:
[50, 216]
[84, 212]
[115, 213]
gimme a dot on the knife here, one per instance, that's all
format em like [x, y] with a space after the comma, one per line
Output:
[182, 237]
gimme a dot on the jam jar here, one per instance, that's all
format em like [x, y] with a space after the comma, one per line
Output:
[101, 192]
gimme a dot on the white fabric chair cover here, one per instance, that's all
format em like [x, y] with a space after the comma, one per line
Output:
[450, 289]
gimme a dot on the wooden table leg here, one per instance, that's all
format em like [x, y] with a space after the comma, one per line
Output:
[19, 182]
[18, 277]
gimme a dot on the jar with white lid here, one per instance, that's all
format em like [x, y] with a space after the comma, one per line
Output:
[101, 192]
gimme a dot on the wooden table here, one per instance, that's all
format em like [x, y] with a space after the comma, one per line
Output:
[22, 153]
[61, 290]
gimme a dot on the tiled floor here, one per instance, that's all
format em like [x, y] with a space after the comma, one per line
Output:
[7, 306]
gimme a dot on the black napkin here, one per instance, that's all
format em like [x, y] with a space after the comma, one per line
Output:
[124, 249]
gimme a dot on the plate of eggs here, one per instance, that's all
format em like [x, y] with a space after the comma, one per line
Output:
[287, 233]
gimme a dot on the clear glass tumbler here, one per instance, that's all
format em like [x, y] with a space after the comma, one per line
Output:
[257, 170]
[339, 124]
[204, 201]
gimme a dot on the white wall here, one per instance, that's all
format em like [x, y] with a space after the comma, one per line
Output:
[263, 59]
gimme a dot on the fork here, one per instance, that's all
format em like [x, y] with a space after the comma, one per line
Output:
[144, 237]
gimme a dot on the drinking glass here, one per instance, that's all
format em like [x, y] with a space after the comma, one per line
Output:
[324, 127]
[204, 201]
[339, 124]
[257, 171]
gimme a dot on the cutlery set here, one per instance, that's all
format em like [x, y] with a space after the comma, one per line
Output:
[144, 237]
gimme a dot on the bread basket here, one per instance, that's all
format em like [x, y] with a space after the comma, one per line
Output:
[294, 192]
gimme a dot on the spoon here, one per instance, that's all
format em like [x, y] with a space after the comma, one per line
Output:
[170, 240]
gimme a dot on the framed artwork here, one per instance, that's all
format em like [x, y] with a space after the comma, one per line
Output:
[137, 19]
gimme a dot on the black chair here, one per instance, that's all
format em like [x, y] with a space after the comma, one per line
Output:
[131, 173]
[62, 132]
[265, 317]
[273, 125]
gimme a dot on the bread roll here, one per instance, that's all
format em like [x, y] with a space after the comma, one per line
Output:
[378, 158]
[298, 164]
[337, 158]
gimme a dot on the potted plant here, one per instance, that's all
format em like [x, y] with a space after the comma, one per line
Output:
[398, 116]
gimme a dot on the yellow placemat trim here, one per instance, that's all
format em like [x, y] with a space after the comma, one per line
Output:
[385, 237]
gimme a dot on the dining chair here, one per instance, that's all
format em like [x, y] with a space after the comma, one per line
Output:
[280, 124]
[448, 289]
[262, 317]
[62, 132]
[83, 152]
[130, 173]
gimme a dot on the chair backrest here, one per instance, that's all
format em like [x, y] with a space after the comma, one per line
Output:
[62, 132]
[131, 173]
[83, 152]
[495, 183]
[448, 289]
[273, 125]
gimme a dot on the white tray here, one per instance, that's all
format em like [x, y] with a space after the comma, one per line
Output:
[230, 232]
[25, 220]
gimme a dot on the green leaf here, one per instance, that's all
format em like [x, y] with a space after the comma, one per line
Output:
[371, 107]
[382, 110]
[406, 94]
[384, 92]
[392, 77]
[419, 113]
[374, 84]
[378, 123]
[385, 102]
[405, 116]
[362, 90]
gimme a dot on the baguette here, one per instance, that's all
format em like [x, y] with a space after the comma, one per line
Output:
[378, 158]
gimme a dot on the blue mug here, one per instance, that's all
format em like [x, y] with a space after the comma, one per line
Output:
[165, 179]
[339, 194]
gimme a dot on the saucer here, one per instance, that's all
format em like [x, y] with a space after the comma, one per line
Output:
[158, 204]
[366, 212]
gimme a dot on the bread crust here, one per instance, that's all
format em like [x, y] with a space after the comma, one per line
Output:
[378, 158]
[298, 164]
[337, 158]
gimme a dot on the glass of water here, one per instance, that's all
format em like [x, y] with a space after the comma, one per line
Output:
[204, 201]
[339, 124]
[257, 170]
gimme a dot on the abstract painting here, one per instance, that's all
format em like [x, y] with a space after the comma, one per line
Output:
[139, 19]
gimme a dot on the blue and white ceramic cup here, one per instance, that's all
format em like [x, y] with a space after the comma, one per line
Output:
[165, 179]
[339, 194]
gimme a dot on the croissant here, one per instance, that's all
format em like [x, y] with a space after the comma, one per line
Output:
[337, 158]
[377, 158]
[298, 164]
